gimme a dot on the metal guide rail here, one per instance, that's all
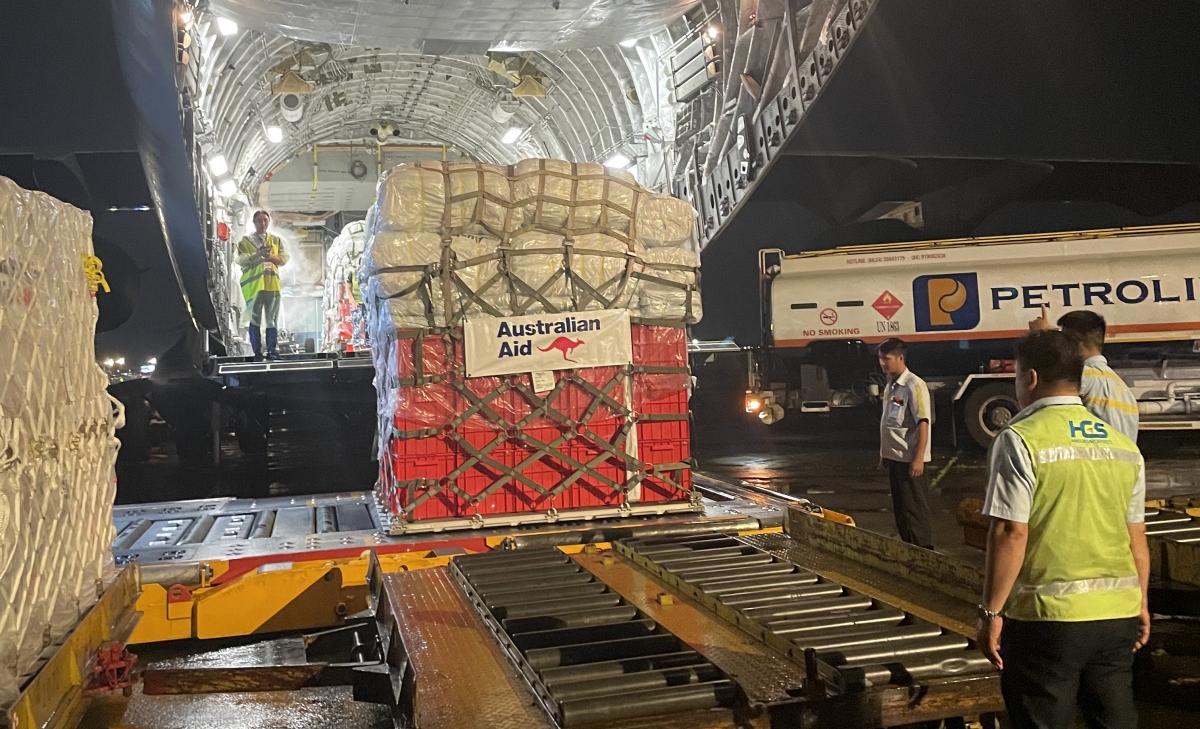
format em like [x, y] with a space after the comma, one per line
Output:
[1174, 526]
[848, 642]
[587, 653]
[308, 527]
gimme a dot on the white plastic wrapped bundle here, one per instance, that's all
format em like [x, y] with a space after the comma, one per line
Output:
[538, 260]
[665, 222]
[529, 211]
[57, 444]
[657, 297]
[405, 296]
[539, 184]
[479, 277]
[342, 262]
[414, 199]
[604, 275]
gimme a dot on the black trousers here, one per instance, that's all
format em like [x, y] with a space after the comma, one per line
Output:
[1051, 668]
[910, 504]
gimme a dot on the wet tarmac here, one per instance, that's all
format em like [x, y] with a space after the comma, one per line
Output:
[833, 461]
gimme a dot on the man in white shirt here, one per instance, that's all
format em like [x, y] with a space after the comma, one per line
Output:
[1102, 390]
[904, 443]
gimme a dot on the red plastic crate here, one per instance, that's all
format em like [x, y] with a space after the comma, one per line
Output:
[437, 476]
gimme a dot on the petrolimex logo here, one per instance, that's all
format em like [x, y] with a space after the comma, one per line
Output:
[946, 302]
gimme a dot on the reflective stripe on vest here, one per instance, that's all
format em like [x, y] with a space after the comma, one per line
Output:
[1078, 564]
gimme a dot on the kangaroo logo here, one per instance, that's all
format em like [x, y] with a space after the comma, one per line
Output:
[564, 345]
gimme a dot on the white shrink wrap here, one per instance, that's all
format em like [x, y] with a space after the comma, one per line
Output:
[343, 320]
[582, 197]
[57, 431]
[601, 265]
[668, 287]
[417, 198]
[476, 264]
[537, 262]
[541, 235]
[665, 222]
[412, 199]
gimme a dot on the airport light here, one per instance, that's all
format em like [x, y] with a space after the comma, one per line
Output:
[753, 404]
[218, 165]
[227, 188]
[109, 362]
[226, 26]
[512, 135]
[713, 32]
[274, 135]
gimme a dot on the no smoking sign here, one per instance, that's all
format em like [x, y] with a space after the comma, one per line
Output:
[828, 317]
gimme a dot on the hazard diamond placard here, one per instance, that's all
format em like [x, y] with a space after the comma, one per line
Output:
[887, 305]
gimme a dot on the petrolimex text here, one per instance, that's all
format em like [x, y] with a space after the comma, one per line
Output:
[1095, 293]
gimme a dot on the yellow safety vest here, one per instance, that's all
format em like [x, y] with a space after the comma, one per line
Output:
[257, 277]
[1078, 564]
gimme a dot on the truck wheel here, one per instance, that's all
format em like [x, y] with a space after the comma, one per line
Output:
[988, 410]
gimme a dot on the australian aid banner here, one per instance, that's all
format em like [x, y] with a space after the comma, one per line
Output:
[513, 344]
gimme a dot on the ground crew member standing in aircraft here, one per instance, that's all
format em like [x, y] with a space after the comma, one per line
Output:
[1103, 391]
[1064, 591]
[260, 255]
[904, 443]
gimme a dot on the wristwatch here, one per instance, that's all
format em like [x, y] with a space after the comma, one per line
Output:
[986, 614]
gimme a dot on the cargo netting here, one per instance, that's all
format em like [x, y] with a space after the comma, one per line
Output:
[57, 430]
[452, 241]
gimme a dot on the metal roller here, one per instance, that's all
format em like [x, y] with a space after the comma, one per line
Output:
[554, 677]
[701, 566]
[518, 573]
[578, 619]
[326, 520]
[795, 627]
[767, 597]
[877, 653]
[559, 591]
[882, 636]
[759, 570]
[698, 556]
[568, 655]
[807, 607]
[750, 584]
[561, 579]
[914, 668]
[646, 703]
[504, 555]
[535, 557]
[657, 551]
[636, 682]
[589, 634]
[556, 607]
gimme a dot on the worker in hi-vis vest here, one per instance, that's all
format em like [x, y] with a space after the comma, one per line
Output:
[1065, 578]
[260, 255]
[1102, 390]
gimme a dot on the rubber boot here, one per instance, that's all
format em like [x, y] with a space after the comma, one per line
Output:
[273, 344]
[256, 342]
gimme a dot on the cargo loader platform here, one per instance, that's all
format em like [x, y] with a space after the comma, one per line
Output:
[716, 619]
